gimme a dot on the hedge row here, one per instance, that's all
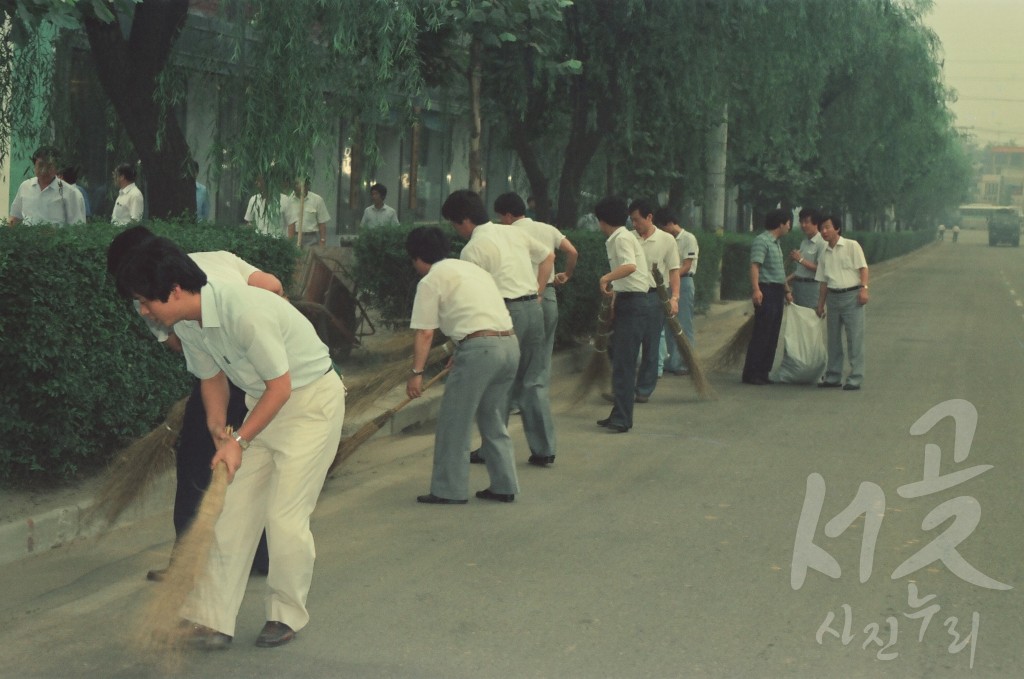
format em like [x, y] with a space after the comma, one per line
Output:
[82, 373]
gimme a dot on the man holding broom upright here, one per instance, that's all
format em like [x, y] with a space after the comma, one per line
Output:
[462, 300]
[277, 460]
[630, 282]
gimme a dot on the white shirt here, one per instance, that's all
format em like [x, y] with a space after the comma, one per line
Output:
[222, 267]
[58, 203]
[314, 212]
[688, 248]
[128, 207]
[624, 248]
[509, 255]
[545, 233]
[660, 248]
[253, 336]
[839, 266]
[459, 298]
[265, 218]
[372, 217]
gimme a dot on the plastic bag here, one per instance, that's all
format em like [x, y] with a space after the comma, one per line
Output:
[804, 353]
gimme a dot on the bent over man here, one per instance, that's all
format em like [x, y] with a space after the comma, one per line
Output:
[463, 301]
[277, 460]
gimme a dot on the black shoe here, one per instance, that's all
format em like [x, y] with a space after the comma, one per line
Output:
[203, 638]
[757, 381]
[617, 428]
[605, 422]
[541, 460]
[488, 494]
[474, 457]
[157, 575]
[829, 385]
[640, 398]
[435, 500]
[275, 634]
[851, 387]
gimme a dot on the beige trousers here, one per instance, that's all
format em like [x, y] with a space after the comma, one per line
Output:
[277, 486]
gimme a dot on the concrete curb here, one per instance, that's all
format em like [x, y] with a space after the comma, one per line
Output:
[55, 528]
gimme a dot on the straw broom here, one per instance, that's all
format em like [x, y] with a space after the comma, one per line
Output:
[349, 445]
[361, 397]
[700, 381]
[598, 370]
[735, 350]
[159, 629]
[136, 467]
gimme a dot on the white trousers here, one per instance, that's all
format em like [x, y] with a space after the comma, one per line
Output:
[277, 486]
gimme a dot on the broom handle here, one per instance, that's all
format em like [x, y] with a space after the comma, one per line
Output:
[431, 382]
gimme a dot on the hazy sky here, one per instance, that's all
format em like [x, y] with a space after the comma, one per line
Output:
[983, 44]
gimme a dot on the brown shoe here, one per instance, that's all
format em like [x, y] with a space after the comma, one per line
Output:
[275, 634]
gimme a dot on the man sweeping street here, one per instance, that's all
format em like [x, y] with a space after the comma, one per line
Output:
[462, 300]
[276, 460]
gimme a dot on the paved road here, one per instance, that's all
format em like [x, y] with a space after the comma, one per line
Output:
[665, 552]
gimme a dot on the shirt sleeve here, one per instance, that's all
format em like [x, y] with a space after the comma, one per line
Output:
[758, 251]
[16, 206]
[135, 206]
[859, 261]
[425, 308]
[76, 205]
[322, 215]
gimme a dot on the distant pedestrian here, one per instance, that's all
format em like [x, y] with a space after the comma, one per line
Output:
[769, 293]
[306, 216]
[130, 204]
[942, 232]
[843, 285]
[378, 214]
[70, 175]
[956, 233]
[46, 199]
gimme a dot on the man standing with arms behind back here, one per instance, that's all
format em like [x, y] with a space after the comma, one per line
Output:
[843, 278]
[769, 293]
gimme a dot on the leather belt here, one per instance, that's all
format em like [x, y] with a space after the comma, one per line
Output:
[687, 275]
[803, 280]
[850, 289]
[524, 298]
[487, 333]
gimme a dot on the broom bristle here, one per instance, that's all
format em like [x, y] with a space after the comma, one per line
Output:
[362, 396]
[596, 374]
[159, 630]
[136, 467]
[734, 350]
[697, 375]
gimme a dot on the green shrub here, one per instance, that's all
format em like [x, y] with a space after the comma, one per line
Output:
[83, 375]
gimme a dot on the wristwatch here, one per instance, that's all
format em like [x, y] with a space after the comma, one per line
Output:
[242, 443]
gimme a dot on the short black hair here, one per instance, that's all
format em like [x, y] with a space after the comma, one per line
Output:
[428, 243]
[153, 269]
[810, 213]
[510, 204]
[776, 218]
[644, 207]
[123, 243]
[70, 174]
[381, 189]
[837, 223]
[49, 153]
[126, 170]
[464, 204]
[665, 215]
[612, 210]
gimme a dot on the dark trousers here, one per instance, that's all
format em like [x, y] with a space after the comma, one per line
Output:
[194, 451]
[632, 316]
[764, 341]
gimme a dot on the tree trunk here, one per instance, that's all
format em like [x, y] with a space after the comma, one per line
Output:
[520, 138]
[128, 71]
[355, 184]
[714, 195]
[476, 175]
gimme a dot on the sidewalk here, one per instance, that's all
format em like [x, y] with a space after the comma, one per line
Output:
[55, 518]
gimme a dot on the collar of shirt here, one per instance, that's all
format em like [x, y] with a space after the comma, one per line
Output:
[210, 318]
[126, 189]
